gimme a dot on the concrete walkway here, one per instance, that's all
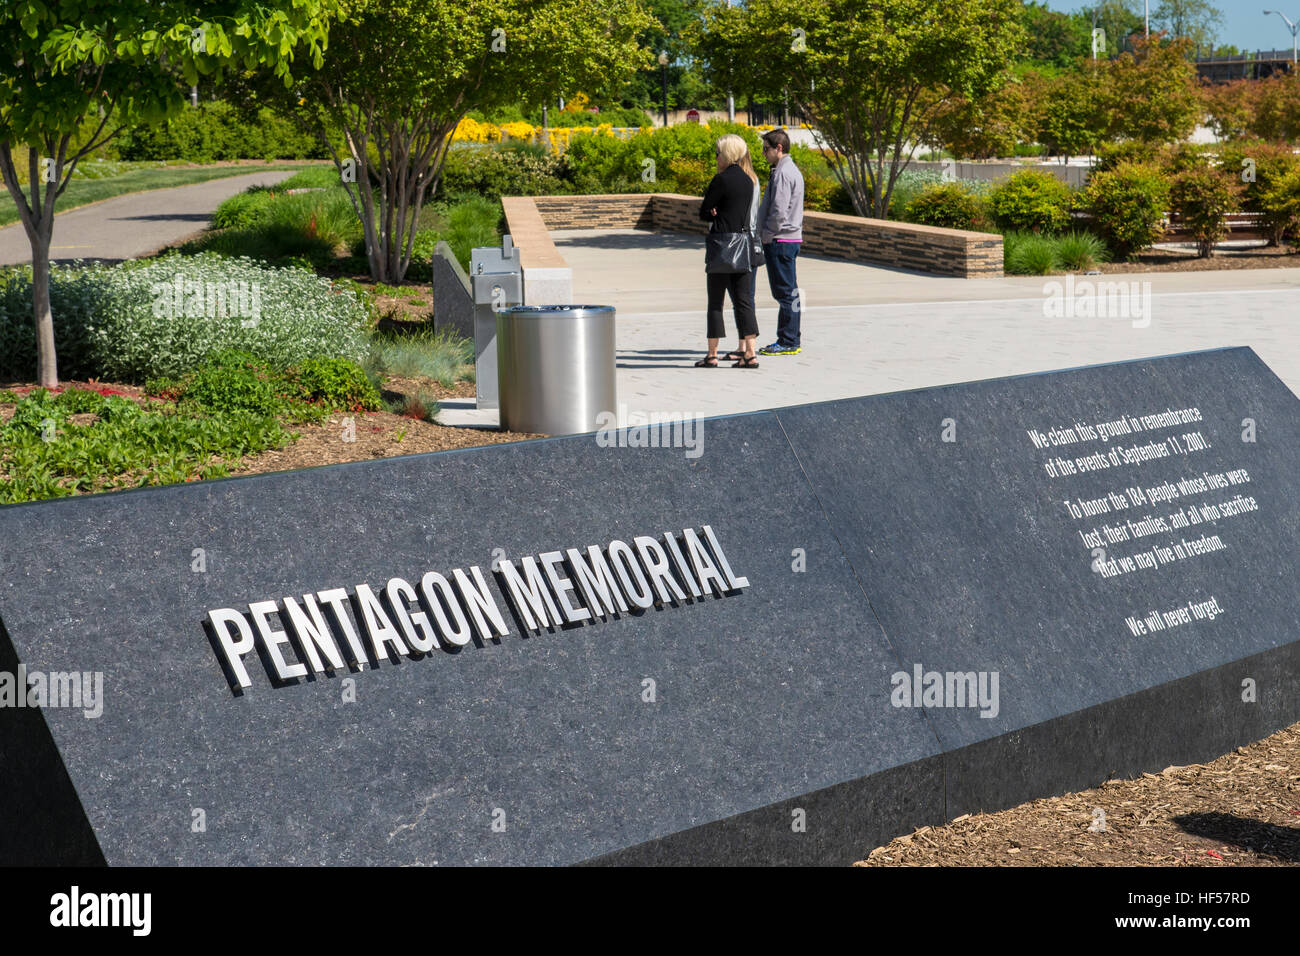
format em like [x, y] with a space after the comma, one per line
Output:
[134, 225]
[868, 330]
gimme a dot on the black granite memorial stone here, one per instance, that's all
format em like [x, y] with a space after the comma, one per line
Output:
[858, 617]
[1138, 608]
[558, 745]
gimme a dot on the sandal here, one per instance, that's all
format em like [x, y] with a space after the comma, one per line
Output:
[750, 362]
[709, 361]
[736, 356]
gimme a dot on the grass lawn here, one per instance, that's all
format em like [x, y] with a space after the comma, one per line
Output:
[82, 191]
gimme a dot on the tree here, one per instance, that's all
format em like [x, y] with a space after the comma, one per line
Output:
[113, 64]
[1120, 19]
[871, 75]
[1072, 112]
[400, 74]
[992, 125]
[1229, 107]
[1276, 108]
[1053, 38]
[1192, 20]
[1152, 93]
[676, 24]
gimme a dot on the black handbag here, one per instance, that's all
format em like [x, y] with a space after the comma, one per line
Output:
[728, 252]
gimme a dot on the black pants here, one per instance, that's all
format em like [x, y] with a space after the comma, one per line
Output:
[740, 286]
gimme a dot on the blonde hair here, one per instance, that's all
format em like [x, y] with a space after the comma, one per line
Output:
[734, 149]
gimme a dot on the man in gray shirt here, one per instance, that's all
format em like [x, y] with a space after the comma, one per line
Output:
[780, 226]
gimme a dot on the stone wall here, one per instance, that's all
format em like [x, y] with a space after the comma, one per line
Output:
[948, 252]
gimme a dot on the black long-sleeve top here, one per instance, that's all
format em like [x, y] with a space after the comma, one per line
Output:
[730, 193]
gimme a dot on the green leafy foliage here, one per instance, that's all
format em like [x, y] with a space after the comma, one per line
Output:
[216, 131]
[1080, 251]
[1128, 206]
[1032, 200]
[1028, 254]
[128, 323]
[119, 444]
[337, 383]
[871, 77]
[1202, 197]
[118, 62]
[947, 204]
[243, 209]
[494, 172]
[1280, 201]
[1262, 168]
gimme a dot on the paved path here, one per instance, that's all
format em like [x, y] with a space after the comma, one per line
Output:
[133, 225]
[869, 330]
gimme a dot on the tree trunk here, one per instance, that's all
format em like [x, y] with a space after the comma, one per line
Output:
[47, 368]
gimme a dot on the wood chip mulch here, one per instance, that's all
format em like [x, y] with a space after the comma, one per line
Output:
[1174, 260]
[1242, 809]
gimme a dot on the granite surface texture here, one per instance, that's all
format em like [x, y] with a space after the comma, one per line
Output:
[760, 696]
[775, 734]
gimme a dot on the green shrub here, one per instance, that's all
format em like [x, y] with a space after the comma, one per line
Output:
[243, 209]
[823, 193]
[1028, 254]
[1110, 156]
[946, 204]
[495, 171]
[1128, 206]
[309, 225]
[1202, 198]
[337, 383]
[1262, 167]
[1031, 200]
[685, 141]
[912, 182]
[691, 176]
[598, 164]
[235, 381]
[1280, 201]
[1079, 251]
[216, 131]
[328, 216]
[127, 323]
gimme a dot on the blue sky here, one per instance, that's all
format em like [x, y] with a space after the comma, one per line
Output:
[1244, 24]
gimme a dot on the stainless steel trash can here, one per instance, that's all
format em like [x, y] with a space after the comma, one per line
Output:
[555, 367]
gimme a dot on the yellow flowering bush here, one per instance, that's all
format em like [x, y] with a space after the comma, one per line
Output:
[470, 130]
[517, 130]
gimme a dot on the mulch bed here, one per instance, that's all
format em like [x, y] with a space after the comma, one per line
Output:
[1242, 809]
[1176, 260]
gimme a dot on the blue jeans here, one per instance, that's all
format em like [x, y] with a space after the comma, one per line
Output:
[780, 257]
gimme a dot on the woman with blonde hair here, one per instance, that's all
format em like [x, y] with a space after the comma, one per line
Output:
[730, 206]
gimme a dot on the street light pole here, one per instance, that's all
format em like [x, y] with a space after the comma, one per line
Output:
[663, 66]
[1293, 27]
